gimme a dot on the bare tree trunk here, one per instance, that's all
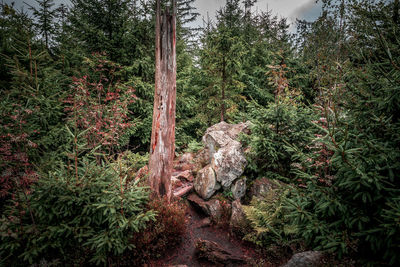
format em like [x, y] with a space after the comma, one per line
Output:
[162, 148]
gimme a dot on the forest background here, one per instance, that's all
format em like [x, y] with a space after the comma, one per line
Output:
[77, 87]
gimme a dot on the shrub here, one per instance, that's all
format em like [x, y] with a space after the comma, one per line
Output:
[270, 229]
[91, 218]
[353, 209]
[16, 171]
[357, 211]
[98, 105]
[161, 234]
[274, 127]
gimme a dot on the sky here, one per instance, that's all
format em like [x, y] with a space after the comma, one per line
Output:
[290, 9]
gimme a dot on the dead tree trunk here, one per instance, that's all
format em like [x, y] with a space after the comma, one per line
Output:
[162, 148]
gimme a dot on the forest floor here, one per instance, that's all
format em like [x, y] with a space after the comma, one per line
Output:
[185, 253]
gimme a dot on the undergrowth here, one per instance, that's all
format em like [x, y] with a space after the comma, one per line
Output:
[161, 234]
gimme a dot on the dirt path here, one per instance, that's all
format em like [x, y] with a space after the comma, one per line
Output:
[185, 253]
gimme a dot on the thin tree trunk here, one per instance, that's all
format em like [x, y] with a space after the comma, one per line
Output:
[46, 34]
[396, 11]
[223, 86]
[162, 148]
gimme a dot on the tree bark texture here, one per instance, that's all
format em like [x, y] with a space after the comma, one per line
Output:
[162, 148]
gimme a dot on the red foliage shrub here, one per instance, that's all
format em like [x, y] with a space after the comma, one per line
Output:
[161, 235]
[99, 104]
[16, 171]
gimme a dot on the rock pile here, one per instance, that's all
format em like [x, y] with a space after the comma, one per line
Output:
[182, 175]
[224, 159]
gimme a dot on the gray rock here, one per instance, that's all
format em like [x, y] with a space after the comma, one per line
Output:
[206, 183]
[216, 254]
[262, 186]
[226, 158]
[221, 126]
[212, 207]
[215, 209]
[220, 134]
[305, 259]
[237, 129]
[238, 188]
[214, 140]
[229, 163]
[201, 159]
[232, 130]
[238, 217]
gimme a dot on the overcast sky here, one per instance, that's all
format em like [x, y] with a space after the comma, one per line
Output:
[291, 9]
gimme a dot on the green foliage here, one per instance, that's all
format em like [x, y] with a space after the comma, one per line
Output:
[341, 157]
[140, 114]
[222, 59]
[66, 217]
[346, 162]
[350, 211]
[352, 206]
[194, 146]
[267, 217]
[274, 128]
[45, 16]
[32, 114]
[102, 27]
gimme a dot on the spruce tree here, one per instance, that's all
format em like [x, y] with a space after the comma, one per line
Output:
[45, 15]
[102, 26]
[222, 57]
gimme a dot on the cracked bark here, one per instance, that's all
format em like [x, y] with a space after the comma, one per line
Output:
[162, 147]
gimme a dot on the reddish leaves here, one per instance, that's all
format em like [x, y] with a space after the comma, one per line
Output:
[15, 168]
[163, 234]
[99, 104]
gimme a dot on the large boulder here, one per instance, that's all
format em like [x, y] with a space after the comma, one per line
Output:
[229, 163]
[206, 183]
[232, 130]
[215, 140]
[220, 134]
[222, 161]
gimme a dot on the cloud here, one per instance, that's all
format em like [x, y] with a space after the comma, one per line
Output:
[308, 11]
[290, 9]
